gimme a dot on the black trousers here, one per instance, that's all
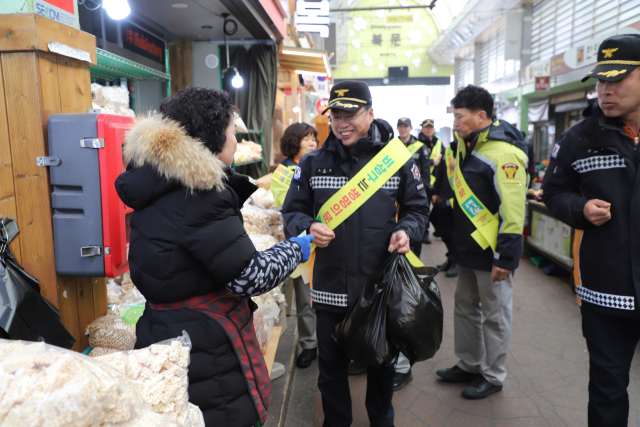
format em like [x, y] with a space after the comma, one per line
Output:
[611, 341]
[333, 381]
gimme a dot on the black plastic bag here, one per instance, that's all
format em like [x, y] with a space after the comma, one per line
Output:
[24, 313]
[415, 315]
[363, 332]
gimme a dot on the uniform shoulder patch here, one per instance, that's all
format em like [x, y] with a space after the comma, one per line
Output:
[297, 174]
[510, 170]
[415, 171]
[554, 153]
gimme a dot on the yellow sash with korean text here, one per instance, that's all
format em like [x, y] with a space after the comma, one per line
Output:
[365, 184]
[280, 183]
[486, 224]
[435, 153]
[414, 147]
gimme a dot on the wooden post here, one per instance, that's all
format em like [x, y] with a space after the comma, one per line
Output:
[35, 83]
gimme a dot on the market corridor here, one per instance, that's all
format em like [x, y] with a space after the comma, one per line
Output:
[547, 368]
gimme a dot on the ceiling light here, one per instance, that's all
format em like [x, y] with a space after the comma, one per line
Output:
[295, 109]
[237, 80]
[302, 53]
[116, 9]
[179, 6]
[311, 73]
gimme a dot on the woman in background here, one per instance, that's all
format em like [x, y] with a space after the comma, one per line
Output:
[298, 140]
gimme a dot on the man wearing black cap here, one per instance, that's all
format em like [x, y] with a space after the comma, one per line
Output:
[433, 151]
[592, 184]
[360, 244]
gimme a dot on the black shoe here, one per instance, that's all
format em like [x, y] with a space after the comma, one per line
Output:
[355, 368]
[306, 357]
[427, 240]
[455, 375]
[480, 388]
[436, 234]
[401, 380]
[453, 271]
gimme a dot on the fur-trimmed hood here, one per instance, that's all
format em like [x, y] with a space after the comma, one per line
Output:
[165, 146]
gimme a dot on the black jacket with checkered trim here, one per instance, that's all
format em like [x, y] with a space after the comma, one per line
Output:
[360, 246]
[595, 159]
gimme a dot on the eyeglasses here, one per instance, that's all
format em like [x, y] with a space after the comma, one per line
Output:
[349, 119]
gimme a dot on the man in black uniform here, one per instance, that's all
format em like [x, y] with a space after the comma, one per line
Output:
[358, 246]
[592, 184]
[433, 150]
[421, 159]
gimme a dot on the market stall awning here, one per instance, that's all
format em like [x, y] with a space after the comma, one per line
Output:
[305, 61]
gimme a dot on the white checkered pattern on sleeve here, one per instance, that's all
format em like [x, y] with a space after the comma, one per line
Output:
[598, 162]
[606, 300]
[338, 182]
[392, 184]
[320, 297]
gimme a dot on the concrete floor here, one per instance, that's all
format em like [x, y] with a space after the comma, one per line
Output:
[547, 368]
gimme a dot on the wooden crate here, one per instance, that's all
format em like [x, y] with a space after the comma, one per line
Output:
[35, 83]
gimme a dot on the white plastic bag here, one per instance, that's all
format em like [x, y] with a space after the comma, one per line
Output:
[46, 386]
[111, 331]
[160, 374]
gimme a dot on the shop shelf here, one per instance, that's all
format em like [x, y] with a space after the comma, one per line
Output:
[248, 162]
[111, 66]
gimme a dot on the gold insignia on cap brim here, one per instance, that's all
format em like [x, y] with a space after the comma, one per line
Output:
[608, 53]
[612, 73]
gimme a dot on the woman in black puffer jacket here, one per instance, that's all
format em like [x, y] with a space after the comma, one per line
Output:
[190, 256]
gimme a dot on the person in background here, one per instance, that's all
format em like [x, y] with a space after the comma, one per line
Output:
[433, 150]
[443, 200]
[490, 183]
[420, 158]
[592, 184]
[298, 140]
[190, 256]
[389, 220]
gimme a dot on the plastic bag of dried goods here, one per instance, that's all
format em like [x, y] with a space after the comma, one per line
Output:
[264, 182]
[160, 374]
[101, 351]
[111, 332]
[114, 292]
[44, 385]
[133, 297]
[256, 220]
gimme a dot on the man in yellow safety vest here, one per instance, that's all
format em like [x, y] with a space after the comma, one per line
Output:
[490, 183]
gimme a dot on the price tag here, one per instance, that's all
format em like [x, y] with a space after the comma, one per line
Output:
[71, 52]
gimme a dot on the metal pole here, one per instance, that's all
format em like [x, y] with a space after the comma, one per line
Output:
[104, 29]
[355, 9]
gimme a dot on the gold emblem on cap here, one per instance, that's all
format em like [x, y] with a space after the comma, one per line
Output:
[341, 92]
[612, 73]
[608, 53]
